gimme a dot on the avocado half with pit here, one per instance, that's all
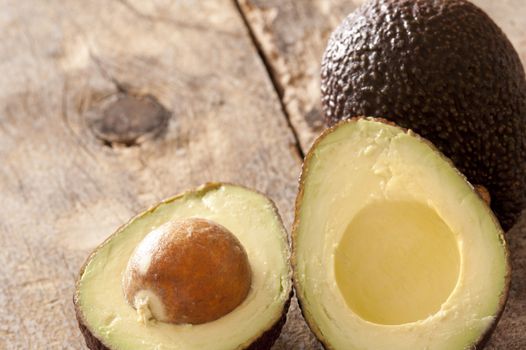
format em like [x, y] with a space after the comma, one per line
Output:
[207, 269]
[392, 247]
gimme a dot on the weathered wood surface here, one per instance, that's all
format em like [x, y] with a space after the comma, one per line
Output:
[64, 187]
[72, 169]
[292, 36]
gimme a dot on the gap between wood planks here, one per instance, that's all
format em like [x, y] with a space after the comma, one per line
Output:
[275, 83]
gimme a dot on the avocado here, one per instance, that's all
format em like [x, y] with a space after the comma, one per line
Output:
[444, 69]
[392, 247]
[206, 269]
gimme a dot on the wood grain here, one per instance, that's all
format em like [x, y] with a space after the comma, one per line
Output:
[65, 185]
[292, 36]
[64, 188]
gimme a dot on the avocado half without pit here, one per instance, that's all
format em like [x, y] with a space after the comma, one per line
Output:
[392, 247]
[207, 269]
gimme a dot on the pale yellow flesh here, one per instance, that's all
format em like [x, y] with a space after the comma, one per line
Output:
[348, 222]
[397, 262]
[249, 216]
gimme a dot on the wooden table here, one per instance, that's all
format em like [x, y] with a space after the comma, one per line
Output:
[214, 90]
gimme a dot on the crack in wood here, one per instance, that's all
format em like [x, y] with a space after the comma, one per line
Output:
[278, 88]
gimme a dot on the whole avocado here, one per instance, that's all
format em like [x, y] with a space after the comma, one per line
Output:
[444, 69]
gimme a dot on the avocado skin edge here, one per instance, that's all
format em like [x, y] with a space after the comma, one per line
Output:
[445, 70]
[484, 337]
[263, 342]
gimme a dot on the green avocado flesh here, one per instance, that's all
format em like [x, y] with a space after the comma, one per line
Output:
[392, 247]
[250, 216]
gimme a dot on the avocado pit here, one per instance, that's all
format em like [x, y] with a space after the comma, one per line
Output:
[187, 271]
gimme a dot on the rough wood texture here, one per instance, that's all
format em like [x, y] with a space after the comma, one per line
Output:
[66, 184]
[292, 36]
[75, 162]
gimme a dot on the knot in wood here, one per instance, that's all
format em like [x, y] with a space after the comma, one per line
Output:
[129, 119]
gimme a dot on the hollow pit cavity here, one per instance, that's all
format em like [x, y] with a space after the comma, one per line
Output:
[397, 262]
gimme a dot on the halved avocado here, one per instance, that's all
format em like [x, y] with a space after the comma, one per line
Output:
[109, 322]
[392, 248]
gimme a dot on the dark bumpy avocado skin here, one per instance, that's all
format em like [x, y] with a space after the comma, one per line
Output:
[444, 69]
